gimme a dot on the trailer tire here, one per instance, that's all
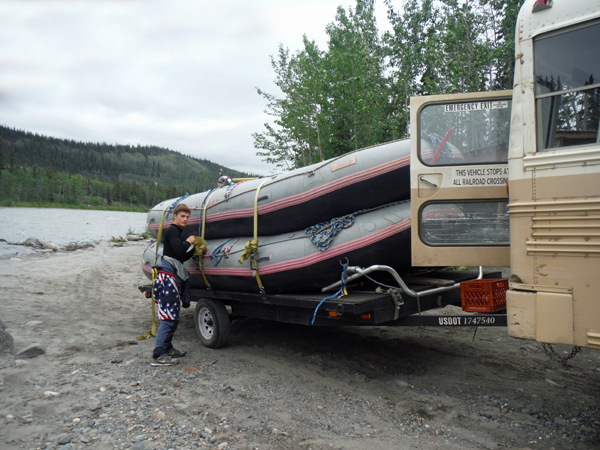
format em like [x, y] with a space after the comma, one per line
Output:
[212, 323]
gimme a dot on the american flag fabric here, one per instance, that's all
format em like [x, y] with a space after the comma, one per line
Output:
[166, 296]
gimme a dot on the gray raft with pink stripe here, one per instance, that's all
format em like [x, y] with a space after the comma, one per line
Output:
[303, 197]
[291, 262]
[359, 200]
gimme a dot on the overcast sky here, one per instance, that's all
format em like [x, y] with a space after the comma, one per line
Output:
[179, 74]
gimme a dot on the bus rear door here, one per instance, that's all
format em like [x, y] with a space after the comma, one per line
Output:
[459, 176]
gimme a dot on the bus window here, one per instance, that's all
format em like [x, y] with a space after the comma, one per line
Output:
[474, 132]
[465, 223]
[567, 87]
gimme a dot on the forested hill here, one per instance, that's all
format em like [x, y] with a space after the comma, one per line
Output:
[38, 169]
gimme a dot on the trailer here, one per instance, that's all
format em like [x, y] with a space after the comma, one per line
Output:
[362, 302]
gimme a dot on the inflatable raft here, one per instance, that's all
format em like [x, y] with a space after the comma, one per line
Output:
[298, 199]
[292, 262]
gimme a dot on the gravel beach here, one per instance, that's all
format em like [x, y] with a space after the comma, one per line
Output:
[79, 378]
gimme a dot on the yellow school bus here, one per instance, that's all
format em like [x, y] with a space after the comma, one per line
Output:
[512, 178]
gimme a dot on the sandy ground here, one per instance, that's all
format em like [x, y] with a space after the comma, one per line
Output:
[275, 386]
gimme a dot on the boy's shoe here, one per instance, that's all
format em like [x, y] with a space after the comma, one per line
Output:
[174, 353]
[164, 360]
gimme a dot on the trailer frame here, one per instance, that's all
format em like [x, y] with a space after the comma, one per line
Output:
[365, 305]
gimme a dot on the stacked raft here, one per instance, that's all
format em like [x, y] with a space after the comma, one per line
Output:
[361, 195]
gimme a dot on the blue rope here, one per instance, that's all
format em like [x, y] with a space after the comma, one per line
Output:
[178, 201]
[381, 284]
[341, 292]
[206, 197]
[219, 249]
[322, 234]
[170, 208]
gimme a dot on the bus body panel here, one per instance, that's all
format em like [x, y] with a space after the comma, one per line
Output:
[553, 170]
[554, 202]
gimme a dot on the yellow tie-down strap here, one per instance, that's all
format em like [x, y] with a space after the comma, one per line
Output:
[200, 244]
[251, 247]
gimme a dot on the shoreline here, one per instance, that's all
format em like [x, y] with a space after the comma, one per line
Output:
[33, 247]
[120, 208]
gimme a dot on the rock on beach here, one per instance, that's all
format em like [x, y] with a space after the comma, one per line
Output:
[6, 342]
[32, 242]
[31, 351]
[49, 246]
[76, 246]
[36, 243]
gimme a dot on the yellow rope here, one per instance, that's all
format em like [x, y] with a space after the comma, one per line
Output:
[200, 244]
[249, 248]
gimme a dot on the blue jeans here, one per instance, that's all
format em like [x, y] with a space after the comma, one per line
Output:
[164, 337]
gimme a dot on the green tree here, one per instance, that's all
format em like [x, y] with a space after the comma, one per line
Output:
[282, 144]
[469, 55]
[413, 47]
[503, 16]
[358, 90]
[2, 157]
[13, 163]
[333, 101]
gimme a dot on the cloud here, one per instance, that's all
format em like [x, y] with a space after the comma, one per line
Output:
[178, 74]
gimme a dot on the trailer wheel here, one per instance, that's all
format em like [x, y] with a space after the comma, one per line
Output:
[212, 323]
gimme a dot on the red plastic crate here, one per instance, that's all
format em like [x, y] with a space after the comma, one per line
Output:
[484, 295]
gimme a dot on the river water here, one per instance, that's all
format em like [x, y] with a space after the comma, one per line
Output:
[63, 226]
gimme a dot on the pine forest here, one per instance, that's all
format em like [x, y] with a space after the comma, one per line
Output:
[44, 171]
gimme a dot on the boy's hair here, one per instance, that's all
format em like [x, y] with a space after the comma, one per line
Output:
[182, 207]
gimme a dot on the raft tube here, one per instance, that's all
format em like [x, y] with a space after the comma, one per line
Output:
[300, 198]
[291, 262]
